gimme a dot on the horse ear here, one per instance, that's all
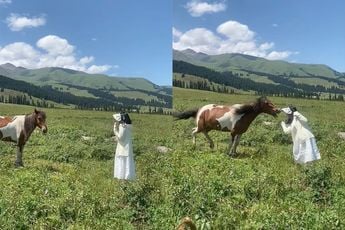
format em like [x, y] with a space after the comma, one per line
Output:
[36, 111]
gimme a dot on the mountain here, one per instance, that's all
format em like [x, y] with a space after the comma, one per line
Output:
[56, 75]
[115, 90]
[187, 75]
[241, 62]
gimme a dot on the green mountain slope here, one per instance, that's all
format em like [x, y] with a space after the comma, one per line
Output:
[187, 75]
[109, 91]
[235, 62]
[48, 76]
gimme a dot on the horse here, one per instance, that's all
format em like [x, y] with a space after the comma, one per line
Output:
[19, 128]
[234, 119]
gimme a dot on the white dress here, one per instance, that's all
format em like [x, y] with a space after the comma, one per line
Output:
[304, 143]
[124, 166]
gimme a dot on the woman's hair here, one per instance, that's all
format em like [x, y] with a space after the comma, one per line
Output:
[125, 118]
[290, 116]
[293, 108]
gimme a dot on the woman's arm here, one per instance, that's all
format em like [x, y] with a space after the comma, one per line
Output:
[116, 130]
[121, 135]
[286, 128]
[300, 116]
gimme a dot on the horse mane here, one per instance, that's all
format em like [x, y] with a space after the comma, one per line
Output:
[245, 108]
[251, 107]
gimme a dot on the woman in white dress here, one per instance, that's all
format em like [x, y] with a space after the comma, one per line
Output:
[304, 143]
[124, 167]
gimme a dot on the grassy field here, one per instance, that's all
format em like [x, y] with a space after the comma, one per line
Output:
[67, 182]
[263, 187]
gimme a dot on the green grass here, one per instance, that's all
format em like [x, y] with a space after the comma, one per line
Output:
[254, 77]
[9, 92]
[314, 81]
[134, 94]
[192, 78]
[263, 187]
[67, 182]
[74, 91]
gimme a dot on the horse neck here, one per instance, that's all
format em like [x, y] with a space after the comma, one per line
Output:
[29, 124]
[250, 116]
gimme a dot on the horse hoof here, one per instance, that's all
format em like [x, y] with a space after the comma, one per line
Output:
[231, 154]
[19, 164]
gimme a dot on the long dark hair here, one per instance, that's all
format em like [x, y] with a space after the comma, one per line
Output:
[125, 118]
[290, 116]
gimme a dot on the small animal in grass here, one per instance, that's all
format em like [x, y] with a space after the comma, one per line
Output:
[234, 119]
[304, 142]
[18, 129]
[186, 222]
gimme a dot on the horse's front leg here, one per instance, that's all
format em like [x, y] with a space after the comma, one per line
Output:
[19, 160]
[231, 143]
[235, 142]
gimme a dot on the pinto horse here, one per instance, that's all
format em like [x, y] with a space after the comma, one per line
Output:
[234, 119]
[19, 128]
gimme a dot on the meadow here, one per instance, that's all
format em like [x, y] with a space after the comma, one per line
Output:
[67, 182]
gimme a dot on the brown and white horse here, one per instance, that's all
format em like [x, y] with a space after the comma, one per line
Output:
[19, 128]
[235, 119]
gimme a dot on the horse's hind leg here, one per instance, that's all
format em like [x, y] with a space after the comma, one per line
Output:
[195, 131]
[19, 160]
[209, 139]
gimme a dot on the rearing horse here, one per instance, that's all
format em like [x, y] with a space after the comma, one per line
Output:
[235, 119]
[19, 128]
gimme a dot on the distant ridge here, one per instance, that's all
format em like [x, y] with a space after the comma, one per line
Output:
[235, 61]
[109, 91]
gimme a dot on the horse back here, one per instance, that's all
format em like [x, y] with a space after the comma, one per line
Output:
[4, 121]
[209, 115]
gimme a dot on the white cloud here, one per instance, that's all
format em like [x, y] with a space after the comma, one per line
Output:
[16, 22]
[275, 25]
[19, 53]
[235, 31]
[274, 55]
[98, 68]
[176, 33]
[87, 60]
[55, 45]
[231, 37]
[51, 51]
[197, 8]
[5, 2]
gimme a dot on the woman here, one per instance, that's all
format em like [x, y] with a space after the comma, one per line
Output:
[304, 143]
[124, 167]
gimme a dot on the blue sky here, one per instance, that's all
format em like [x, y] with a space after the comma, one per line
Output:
[310, 32]
[117, 37]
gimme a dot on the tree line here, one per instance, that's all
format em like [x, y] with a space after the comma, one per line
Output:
[284, 87]
[47, 93]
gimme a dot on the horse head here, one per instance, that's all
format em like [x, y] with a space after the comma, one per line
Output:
[40, 120]
[266, 106]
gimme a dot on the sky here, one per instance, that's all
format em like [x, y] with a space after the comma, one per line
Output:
[124, 38]
[309, 31]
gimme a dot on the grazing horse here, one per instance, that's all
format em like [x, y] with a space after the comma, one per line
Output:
[19, 128]
[235, 119]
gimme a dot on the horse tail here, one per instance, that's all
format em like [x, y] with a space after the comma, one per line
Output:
[186, 222]
[186, 114]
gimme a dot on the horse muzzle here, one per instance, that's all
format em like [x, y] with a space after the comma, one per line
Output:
[44, 129]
